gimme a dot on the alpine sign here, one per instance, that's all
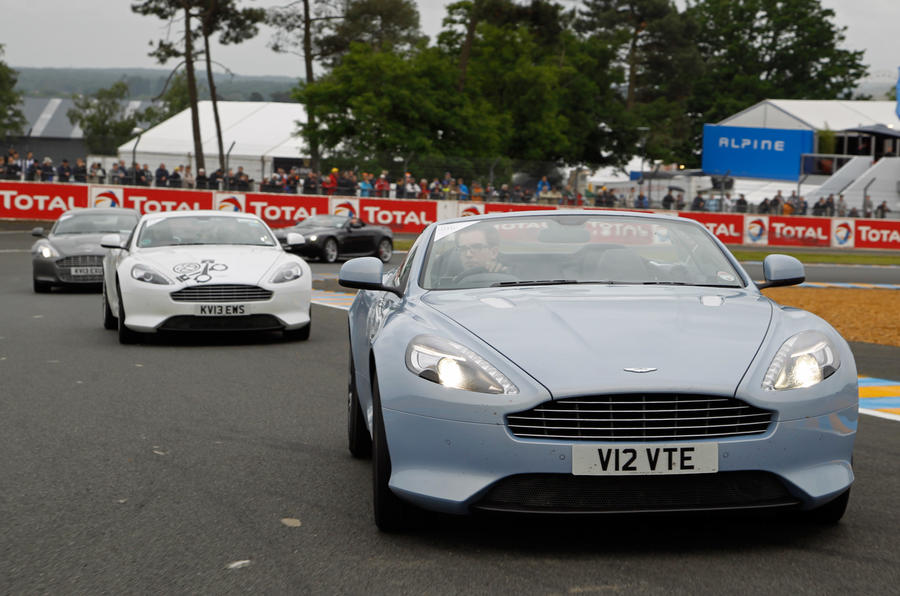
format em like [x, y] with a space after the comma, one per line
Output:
[754, 152]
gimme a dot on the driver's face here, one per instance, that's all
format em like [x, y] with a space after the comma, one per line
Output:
[474, 250]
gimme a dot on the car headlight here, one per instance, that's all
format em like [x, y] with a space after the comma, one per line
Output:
[452, 365]
[312, 238]
[47, 251]
[288, 272]
[802, 361]
[148, 275]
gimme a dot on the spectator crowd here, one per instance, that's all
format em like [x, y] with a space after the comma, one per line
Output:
[349, 183]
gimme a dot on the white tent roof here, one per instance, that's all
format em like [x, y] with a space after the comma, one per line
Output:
[258, 129]
[807, 114]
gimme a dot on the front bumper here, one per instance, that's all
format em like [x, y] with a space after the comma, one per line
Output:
[451, 466]
[309, 250]
[150, 308]
[60, 271]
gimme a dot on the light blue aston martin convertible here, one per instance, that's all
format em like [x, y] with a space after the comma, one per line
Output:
[593, 362]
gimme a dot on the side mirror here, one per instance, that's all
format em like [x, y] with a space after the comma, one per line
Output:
[293, 239]
[782, 270]
[365, 273]
[39, 232]
[111, 241]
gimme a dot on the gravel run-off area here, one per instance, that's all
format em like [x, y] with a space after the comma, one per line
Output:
[871, 316]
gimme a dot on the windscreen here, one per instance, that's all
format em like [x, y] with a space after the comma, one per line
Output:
[324, 221]
[590, 249]
[212, 229]
[95, 223]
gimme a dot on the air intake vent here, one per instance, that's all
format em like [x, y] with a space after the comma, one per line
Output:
[222, 293]
[640, 417]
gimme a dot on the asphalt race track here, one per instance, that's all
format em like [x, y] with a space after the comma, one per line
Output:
[186, 465]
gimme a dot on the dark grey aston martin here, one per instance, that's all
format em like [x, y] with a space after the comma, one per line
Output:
[70, 255]
[333, 237]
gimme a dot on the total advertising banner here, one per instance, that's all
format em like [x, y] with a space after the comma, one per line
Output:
[35, 200]
[727, 227]
[799, 231]
[149, 200]
[877, 233]
[756, 230]
[843, 233]
[754, 152]
[43, 201]
[401, 215]
[277, 210]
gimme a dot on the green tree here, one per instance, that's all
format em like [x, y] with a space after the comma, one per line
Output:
[235, 26]
[327, 36]
[389, 25]
[375, 107]
[183, 49]
[655, 48]
[757, 49]
[552, 91]
[287, 22]
[12, 120]
[104, 118]
[174, 99]
[535, 93]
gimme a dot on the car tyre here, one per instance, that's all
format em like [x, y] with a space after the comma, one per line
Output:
[126, 335]
[391, 513]
[41, 287]
[831, 512]
[358, 440]
[109, 321]
[330, 250]
[385, 250]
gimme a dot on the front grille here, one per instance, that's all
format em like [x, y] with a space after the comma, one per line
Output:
[243, 323]
[81, 261]
[640, 417]
[64, 268]
[222, 293]
[564, 493]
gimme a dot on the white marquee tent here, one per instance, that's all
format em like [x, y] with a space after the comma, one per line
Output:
[815, 115]
[260, 131]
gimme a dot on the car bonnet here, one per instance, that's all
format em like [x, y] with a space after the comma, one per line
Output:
[212, 264]
[78, 244]
[578, 340]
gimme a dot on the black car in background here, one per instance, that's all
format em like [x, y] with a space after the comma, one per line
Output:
[333, 237]
[71, 255]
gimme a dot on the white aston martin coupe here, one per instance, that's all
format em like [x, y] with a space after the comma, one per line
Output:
[204, 271]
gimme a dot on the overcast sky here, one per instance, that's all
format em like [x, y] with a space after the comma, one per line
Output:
[105, 33]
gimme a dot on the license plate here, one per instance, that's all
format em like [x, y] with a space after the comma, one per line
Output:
[642, 459]
[221, 310]
[87, 270]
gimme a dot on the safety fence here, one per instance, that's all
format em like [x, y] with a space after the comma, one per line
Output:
[41, 201]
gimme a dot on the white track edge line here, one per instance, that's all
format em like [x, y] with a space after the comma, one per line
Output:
[878, 414]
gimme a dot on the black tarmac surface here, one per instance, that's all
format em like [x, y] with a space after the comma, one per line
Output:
[153, 468]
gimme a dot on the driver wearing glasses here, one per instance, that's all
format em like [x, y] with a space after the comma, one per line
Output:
[478, 249]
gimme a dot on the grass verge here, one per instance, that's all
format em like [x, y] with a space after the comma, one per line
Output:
[841, 258]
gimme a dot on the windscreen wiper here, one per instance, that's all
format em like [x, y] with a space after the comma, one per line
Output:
[534, 282]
